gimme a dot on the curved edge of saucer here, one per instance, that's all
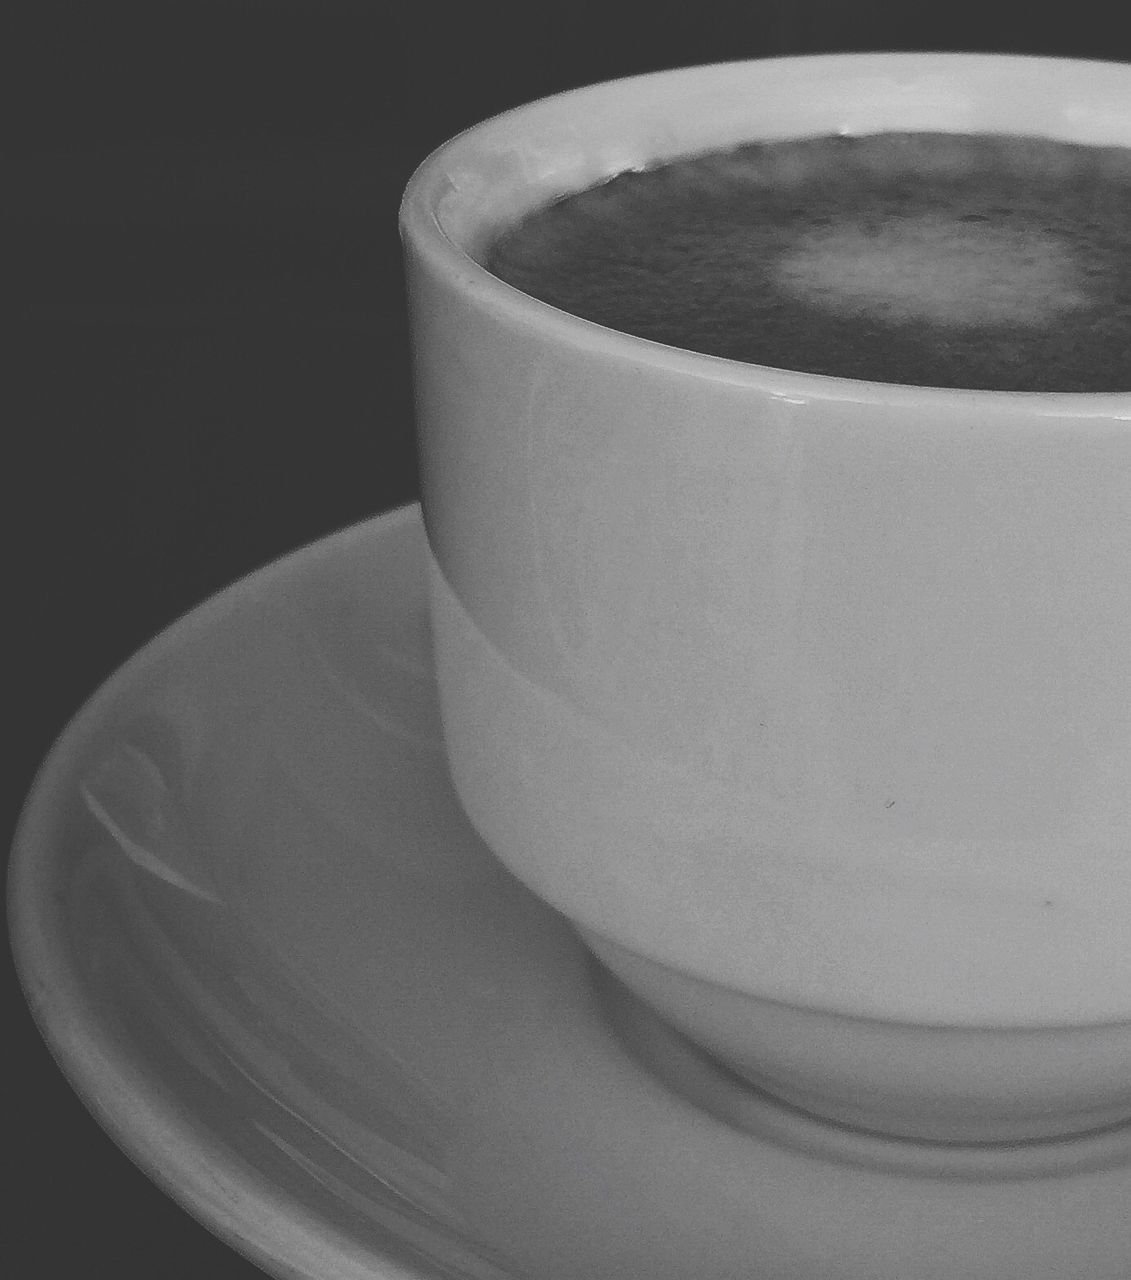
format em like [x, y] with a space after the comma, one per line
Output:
[270, 1229]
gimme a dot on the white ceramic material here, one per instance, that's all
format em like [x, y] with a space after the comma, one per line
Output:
[808, 700]
[290, 980]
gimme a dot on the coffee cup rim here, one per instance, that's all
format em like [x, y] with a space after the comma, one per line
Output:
[437, 177]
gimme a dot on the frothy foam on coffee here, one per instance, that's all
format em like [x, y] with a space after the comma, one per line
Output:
[932, 267]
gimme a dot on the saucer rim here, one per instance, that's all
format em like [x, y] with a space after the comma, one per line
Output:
[270, 1229]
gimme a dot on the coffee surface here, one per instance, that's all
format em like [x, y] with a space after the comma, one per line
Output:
[950, 260]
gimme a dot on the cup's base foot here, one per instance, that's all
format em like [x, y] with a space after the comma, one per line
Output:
[701, 1079]
[939, 1087]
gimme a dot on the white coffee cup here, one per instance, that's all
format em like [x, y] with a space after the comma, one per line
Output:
[807, 700]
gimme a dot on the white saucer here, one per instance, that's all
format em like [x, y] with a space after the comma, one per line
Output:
[289, 979]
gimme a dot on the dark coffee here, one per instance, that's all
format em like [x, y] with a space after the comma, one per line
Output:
[947, 260]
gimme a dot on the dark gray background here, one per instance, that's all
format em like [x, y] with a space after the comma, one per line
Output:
[208, 361]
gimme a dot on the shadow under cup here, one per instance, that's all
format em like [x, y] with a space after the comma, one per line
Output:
[807, 700]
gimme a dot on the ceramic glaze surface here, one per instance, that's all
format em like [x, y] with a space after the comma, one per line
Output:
[288, 977]
[816, 689]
